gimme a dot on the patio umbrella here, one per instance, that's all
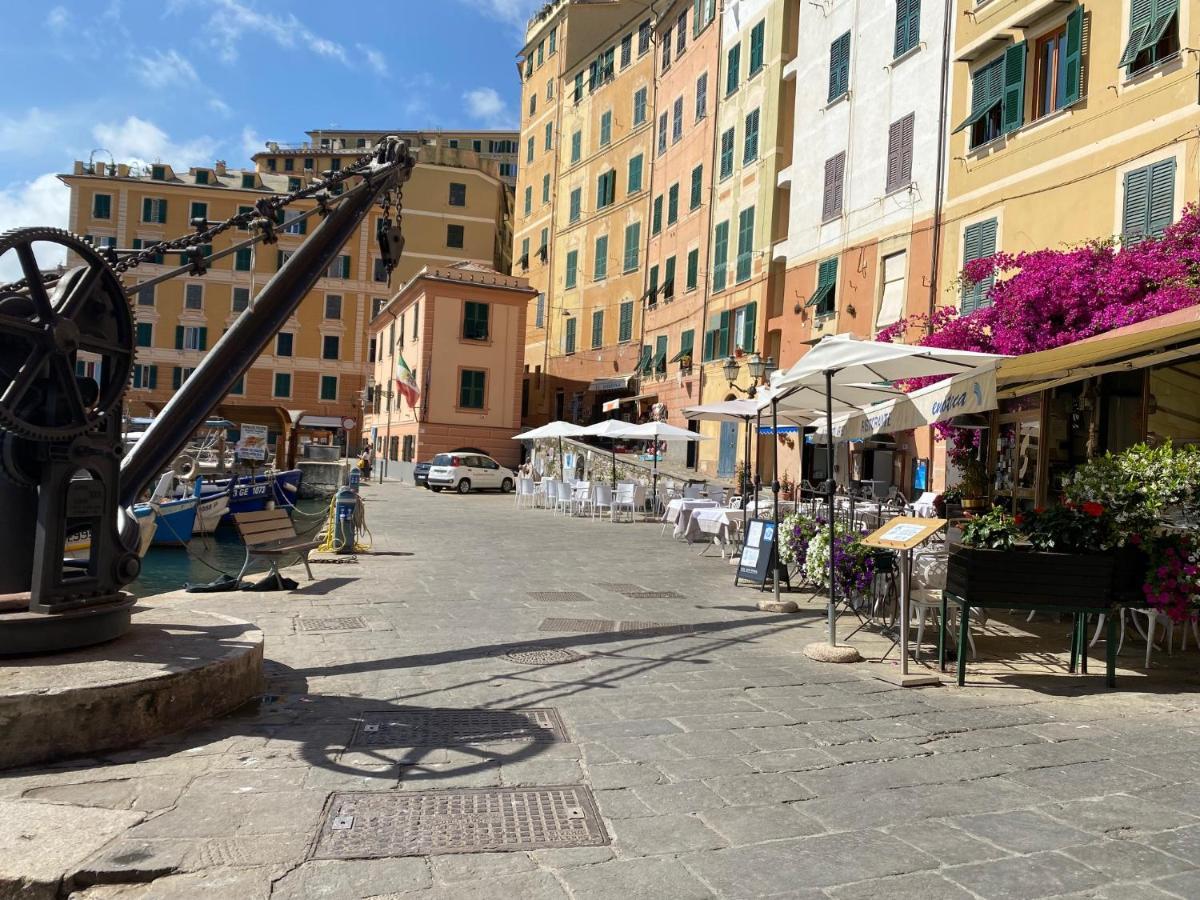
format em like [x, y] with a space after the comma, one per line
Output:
[611, 429]
[557, 429]
[840, 361]
[661, 431]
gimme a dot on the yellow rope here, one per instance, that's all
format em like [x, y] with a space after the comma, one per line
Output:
[329, 543]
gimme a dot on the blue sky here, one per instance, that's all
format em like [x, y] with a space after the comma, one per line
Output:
[191, 81]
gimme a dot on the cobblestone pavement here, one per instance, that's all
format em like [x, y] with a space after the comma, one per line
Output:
[722, 761]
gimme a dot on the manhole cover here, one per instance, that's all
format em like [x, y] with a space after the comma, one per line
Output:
[557, 596]
[362, 825]
[653, 595]
[458, 727]
[590, 626]
[618, 587]
[655, 628]
[542, 656]
[344, 623]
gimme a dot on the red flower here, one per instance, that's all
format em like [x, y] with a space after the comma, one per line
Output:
[1135, 539]
[1019, 520]
[1093, 509]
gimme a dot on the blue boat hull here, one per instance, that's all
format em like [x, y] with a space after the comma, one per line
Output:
[250, 494]
[176, 521]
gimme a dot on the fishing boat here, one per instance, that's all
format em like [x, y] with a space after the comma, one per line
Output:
[79, 543]
[174, 517]
[252, 493]
[210, 510]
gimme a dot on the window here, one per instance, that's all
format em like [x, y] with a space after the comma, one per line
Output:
[626, 51]
[330, 345]
[154, 209]
[528, 199]
[662, 134]
[677, 120]
[716, 336]
[193, 296]
[339, 268]
[733, 65]
[644, 37]
[891, 303]
[681, 34]
[1149, 205]
[997, 97]
[544, 245]
[597, 329]
[553, 41]
[294, 184]
[578, 93]
[289, 165]
[639, 107]
[600, 264]
[666, 50]
[606, 128]
[549, 135]
[720, 256]
[693, 269]
[745, 324]
[979, 241]
[656, 215]
[283, 384]
[242, 259]
[539, 319]
[697, 186]
[101, 206]
[159, 173]
[839, 67]
[702, 13]
[606, 189]
[333, 306]
[625, 334]
[572, 268]
[900, 154]
[908, 26]
[576, 146]
[750, 139]
[329, 387]
[668, 284]
[757, 38]
[569, 336]
[523, 260]
[1153, 34]
[549, 90]
[824, 298]
[249, 181]
[308, 164]
[458, 194]
[335, 165]
[292, 223]
[1058, 62]
[191, 337]
[745, 255]
[145, 334]
[241, 299]
[198, 211]
[454, 235]
[727, 140]
[673, 204]
[546, 188]
[576, 204]
[145, 378]
[283, 343]
[687, 343]
[831, 200]
[416, 319]
[652, 291]
[633, 240]
[635, 174]
[179, 375]
[475, 321]
[701, 96]
[532, 104]
[145, 296]
[529, 150]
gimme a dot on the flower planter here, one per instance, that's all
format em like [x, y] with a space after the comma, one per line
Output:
[1129, 574]
[1026, 578]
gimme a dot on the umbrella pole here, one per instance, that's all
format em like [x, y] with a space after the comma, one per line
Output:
[830, 487]
[612, 448]
[746, 476]
[655, 501]
[562, 472]
[775, 490]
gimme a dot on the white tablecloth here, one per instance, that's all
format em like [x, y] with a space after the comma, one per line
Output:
[680, 511]
[719, 522]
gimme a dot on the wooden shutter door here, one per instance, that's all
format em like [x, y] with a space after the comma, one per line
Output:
[1073, 59]
[1135, 213]
[893, 155]
[1013, 107]
[1162, 197]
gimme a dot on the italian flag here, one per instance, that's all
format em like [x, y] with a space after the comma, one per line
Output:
[406, 382]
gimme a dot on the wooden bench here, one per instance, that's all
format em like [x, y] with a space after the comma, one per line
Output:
[270, 534]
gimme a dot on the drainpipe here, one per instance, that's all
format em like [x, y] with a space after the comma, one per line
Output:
[940, 192]
[652, 110]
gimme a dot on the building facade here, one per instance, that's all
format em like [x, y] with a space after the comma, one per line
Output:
[490, 146]
[459, 330]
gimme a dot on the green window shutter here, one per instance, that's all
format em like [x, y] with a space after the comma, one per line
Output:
[757, 36]
[153, 381]
[673, 204]
[597, 329]
[750, 144]
[572, 268]
[570, 336]
[1141, 20]
[720, 256]
[178, 337]
[147, 210]
[1162, 197]
[656, 216]
[908, 26]
[600, 265]
[727, 140]
[633, 239]
[1073, 58]
[576, 203]
[162, 212]
[745, 255]
[601, 191]
[749, 335]
[635, 174]
[576, 146]
[697, 185]
[979, 242]
[1013, 108]
[652, 291]
[722, 347]
[626, 333]
[203, 338]
[145, 334]
[687, 343]
[669, 278]
[606, 129]
[693, 268]
[660, 353]
[839, 67]
[176, 377]
[733, 68]
[709, 338]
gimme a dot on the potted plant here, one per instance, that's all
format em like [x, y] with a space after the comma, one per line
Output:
[795, 533]
[949, 503]
[787, 487]
[854, 562]
[1055, 557]
[974, 485]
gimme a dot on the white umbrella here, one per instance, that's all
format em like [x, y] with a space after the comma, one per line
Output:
[611, 429]
[661, 431]
[848, 362]
[558, 429]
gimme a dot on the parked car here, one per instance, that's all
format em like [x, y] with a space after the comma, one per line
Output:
[421, 474]
[465, 472]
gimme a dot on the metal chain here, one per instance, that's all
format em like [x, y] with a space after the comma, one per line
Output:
[264, 213]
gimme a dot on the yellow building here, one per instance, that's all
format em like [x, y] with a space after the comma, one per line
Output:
[459, 330]
[316, 367]
[1071, 122]
[491, 145]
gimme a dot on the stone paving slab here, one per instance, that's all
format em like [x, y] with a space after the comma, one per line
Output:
[723, 762]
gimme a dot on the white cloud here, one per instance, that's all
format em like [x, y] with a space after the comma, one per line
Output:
[514, 12]
[219, 106]
[234, 19]
[376, 61]
[136, 140]
[251, 142]
[165, 70]
[488, 107]
[43, 201]
[57, 19]
[35, 128]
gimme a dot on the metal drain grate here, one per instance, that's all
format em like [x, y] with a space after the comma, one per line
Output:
[375, 825]
[618, 587]
[588, 626]
[558, 596]
[655, 628]
[458, 727]
[344, 623]
[653, 595]
[542, 656]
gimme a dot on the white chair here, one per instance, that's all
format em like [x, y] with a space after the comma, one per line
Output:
[526, 493]
[622, 500]
[602, 497]
[693, 491]
[581, 497]
[639, 496]
[562, 497]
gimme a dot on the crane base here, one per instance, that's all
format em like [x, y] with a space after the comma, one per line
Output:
[26, 633]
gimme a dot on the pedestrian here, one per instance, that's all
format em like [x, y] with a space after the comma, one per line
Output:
[364, 461]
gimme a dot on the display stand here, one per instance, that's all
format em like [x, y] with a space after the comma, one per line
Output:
[903, 534]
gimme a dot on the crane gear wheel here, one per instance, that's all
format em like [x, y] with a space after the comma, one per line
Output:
[43, 331]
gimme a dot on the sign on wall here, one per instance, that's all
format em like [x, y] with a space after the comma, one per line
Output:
[252, 442]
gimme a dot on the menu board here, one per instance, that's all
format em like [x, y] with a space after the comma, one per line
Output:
[904, 533]
[757, 553]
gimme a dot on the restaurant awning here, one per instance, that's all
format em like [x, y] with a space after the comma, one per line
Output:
[615, 383]
[320, 422]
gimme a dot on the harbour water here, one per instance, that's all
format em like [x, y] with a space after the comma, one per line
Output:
[208, 556]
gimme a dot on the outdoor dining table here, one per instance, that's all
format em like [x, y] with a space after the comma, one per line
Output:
[722, 524]
[679, 511]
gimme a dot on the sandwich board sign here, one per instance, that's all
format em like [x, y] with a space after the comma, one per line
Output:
[252, 442]
[758, 552]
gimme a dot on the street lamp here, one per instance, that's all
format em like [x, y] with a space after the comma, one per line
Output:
[760, 371]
